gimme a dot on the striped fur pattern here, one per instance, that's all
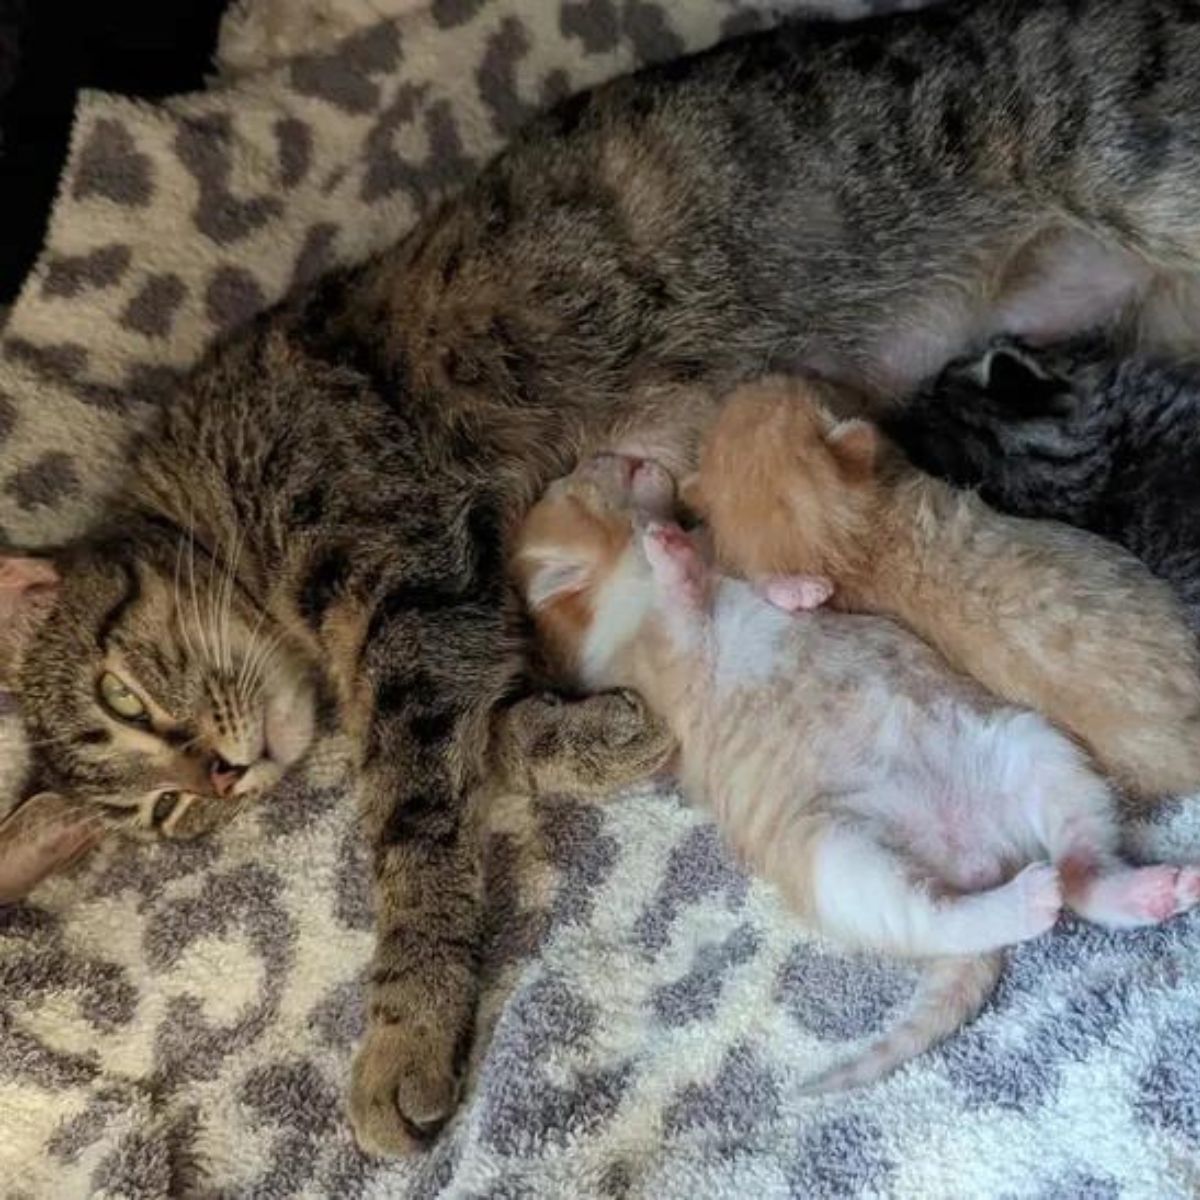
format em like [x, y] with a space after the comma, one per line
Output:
[1073, 433]
[865, 201]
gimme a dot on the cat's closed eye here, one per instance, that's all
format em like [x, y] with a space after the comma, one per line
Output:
[120, 699]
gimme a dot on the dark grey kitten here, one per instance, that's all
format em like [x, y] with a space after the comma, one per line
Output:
[1075, 434]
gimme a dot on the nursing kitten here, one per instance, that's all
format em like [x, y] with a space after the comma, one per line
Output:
[1072, 433]
[896, 805]
[1042, 614]
[862, 200]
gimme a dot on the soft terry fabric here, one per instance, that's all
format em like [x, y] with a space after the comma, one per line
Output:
[179, 1020]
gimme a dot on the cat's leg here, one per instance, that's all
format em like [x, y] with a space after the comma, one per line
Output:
[1072, 813]
[868, 896]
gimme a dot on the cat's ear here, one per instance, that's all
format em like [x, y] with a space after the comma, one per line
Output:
[691, 496]
[855, 446]
[45, 835]
[554, 578]
[28, 588]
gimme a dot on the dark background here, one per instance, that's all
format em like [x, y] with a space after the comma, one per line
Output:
[49, 49]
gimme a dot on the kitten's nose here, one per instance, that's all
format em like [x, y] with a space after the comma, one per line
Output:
[224, 775]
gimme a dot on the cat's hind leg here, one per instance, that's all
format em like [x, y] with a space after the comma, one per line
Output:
[1072, 811]
[867, 896]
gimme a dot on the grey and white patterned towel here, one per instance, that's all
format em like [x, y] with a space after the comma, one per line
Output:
[179, 1020]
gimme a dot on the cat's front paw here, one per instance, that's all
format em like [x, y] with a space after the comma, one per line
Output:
[402, 1090]
[590, 747]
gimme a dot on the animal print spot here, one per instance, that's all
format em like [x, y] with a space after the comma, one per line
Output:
[294, 1096]
[69, 274]
[316, 254]
[652, 37]
[79, 1132]
[232, 298]
[340, 1018]
[446, 164]
[111, 166]
[151, 383]
[1169, 1092]
[496, 76]
[1079, 1185]
[139, 1165]
[58, 361]
[204, 146]
[450, 13]
[844, 1156]
[8, 415]
[694, 996]
[840, 997]
[699, 866]
[738, 1102]
[44, 483]
[343, 77]
[594, 22]
[152, 309]
[294, 141]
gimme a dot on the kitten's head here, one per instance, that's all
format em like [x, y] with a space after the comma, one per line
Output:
[579, 564]
[784, 486]
[146, 673]
[981, 409]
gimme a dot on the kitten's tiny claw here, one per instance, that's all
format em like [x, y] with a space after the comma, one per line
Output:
[796, 593]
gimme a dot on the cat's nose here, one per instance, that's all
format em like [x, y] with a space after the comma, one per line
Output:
[224, 775]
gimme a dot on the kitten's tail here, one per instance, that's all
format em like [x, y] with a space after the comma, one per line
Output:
[949, 994]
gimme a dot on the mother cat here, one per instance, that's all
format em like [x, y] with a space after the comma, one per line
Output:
[315, 534]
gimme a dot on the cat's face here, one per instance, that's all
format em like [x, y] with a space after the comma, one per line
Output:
[784, 487]
[577, 550]
[147, 677]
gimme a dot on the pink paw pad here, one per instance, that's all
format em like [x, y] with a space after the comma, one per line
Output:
[797, 593]
[1157, 893]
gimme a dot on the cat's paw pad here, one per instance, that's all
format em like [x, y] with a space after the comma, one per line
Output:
[1154, 894]
[401, 1091]
[1041, 898]
[796, 593]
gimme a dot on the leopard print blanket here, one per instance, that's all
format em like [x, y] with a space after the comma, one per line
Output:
[178, 1020]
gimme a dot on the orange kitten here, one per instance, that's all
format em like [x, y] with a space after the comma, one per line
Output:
[1042, 614]
[896, 805]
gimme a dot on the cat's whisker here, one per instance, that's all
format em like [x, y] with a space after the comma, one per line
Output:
[226, 610]
[180, 619]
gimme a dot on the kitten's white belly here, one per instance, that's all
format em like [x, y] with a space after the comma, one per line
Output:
[793, 726]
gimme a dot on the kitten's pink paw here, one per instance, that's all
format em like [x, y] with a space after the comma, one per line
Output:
[674, 560]
[1040, 899]
[796, 593]
[1143, 895]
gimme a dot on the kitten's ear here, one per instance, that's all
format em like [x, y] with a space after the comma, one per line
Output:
[855, 446]
[28, 588]
[46, 834]
[554, 578]
[691, 496]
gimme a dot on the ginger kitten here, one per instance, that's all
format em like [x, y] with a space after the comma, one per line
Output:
[896, 805]
[1042, 614]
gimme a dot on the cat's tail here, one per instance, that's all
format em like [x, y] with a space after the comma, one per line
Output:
[948, 995]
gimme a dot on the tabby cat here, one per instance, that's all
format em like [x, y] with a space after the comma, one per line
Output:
[1072, 433]
[864, 201]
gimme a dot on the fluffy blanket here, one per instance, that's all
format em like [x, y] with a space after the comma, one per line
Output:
[179, 1020]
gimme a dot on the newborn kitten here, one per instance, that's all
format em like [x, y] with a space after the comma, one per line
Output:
[1042, 614]
[895, 804]
[1069, 432]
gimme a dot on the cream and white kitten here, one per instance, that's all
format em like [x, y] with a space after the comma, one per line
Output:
[897, 805]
